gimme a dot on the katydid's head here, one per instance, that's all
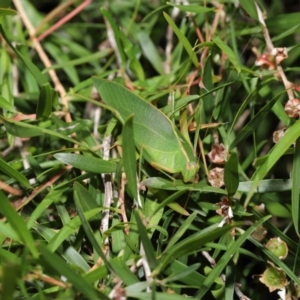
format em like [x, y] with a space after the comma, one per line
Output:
[189, 173]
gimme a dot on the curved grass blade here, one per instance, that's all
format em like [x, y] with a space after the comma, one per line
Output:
[255, 122]
[148, 248]
[87, 163]
[231, 174]
[22, 129]
[62, 268]
[185, 42]
[45, 102]
[291, 135]
[18, 225]
[193, 8]
[229, 53]
[223, 261]
[11, 172]
[129, 160]
[295, 186]
[37, 74]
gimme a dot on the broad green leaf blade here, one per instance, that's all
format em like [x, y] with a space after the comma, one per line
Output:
[11, 172]
[77, 281]
[39, 77]
[129, 161]
[155, 136]
[87, 163]
[17, 224]
[44, 106]
[250, 8]
[229, 53]
[223, 261]
[295, 186]
[86, 199]
[290, 136]
[231, 174]
[185, 42]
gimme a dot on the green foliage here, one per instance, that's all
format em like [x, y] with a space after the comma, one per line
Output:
[137, 158]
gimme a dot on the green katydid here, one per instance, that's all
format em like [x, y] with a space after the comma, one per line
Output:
[159, 141]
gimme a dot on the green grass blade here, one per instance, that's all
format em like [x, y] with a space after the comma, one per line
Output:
[39, 77]
[295, 186]
[148, 248]
[18, 225]
[291, 135]
[87, 163]
[11, 172]
[185, 42]
[86, 200]
[255, 122]
[231, 174]
[223, 261]
[250, 8]
[150, 51]
[62, 268]
[229, 53]
[45, 102]
[193, 8]
[129, 158]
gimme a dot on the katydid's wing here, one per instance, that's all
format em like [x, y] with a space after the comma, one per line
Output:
[154, 134]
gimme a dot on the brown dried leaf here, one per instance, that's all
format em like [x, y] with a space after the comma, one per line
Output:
[278, 135]
[218, 154]
[280, 54]
[216, 177]
[292, 108]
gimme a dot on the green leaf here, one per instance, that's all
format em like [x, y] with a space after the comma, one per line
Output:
[129, 160]
[250, 8]
[18, 225]
[193, 8]
[87, 163]
[231, 174]
[255, 122]
[7, 12]
[295, 186]
[11, 172]
[117, 37]
[147, 245]
[39, 77]
[22, 129]
[86, 200]
[185, 42]
[150, 51]
[229, 53]
[77, 281]
[45, 102]
[290, 136]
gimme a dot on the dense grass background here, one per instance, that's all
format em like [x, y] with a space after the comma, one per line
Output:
[87, 215]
